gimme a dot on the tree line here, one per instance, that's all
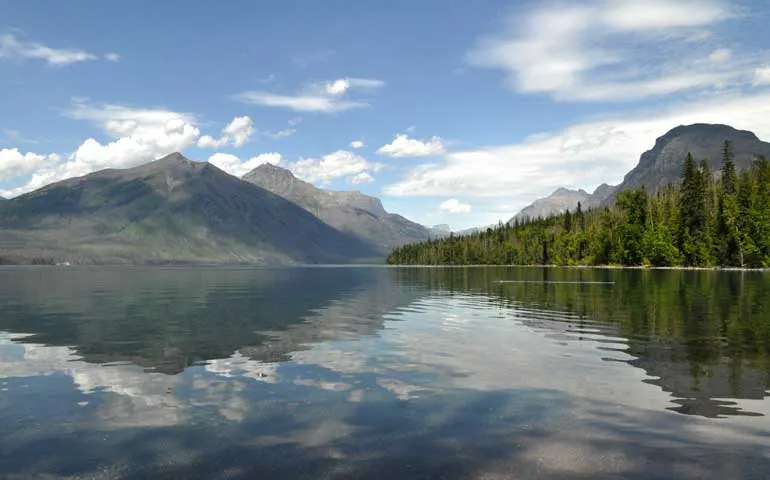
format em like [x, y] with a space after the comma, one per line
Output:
[705, 220]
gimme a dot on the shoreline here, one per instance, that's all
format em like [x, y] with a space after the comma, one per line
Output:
[596, 267]
[371, 265]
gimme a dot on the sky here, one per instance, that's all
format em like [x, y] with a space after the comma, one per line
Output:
[452, 112]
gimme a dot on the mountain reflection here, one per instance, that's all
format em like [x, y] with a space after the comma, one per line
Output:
[168, 319]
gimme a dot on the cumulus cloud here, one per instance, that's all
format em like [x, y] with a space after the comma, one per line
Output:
[403, 146]
[357, 144]
[582, 155]
[339, 164]
[454, 206]
[13, 163]
[112, 57]
[325, 97]
[236, 133]
[608, 50]
[233, 165]
[12, 47]
[140, 135]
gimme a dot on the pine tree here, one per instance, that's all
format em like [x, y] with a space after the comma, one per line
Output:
[693, 213]
[730, 252]
[567, 221]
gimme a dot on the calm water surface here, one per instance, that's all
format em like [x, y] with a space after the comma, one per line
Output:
[392, 373]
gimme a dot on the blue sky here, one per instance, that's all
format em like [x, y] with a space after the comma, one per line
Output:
[461, 112]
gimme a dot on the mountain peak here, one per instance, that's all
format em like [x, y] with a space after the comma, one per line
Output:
[270, 167]
[174, 164]
[561, 191]
[717, 129]
[175, 158]
[268, 171]
[662, 165]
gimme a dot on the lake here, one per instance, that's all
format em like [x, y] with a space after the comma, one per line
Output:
[386, 373]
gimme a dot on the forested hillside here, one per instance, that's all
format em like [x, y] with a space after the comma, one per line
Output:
[705, 220]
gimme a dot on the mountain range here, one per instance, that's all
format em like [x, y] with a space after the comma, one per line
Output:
[170, 210]
[174, 210]
[348, 211]
[660, 166]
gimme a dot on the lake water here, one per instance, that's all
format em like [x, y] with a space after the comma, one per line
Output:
[391, 373]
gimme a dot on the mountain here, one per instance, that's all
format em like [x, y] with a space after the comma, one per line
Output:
[663, 164]
[560, 200]
[442, 230]
[170, 210]
[601, 193]
[348, 211]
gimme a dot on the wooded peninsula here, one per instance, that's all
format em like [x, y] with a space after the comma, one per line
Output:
[705, 220]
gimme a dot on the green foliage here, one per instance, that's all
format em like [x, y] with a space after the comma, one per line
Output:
[701, 222]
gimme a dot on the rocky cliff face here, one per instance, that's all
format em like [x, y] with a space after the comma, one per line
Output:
[663, 164]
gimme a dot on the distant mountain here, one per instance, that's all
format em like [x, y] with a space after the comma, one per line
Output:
[601, 194]
[560, 200]
[473, 230]
[170, 210]
[663, 164]
[348, 211]
[442, 230]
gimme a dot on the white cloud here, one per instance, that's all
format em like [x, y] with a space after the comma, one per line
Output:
[236, 133]
[234, 166]
[454, 206]
[239, 130]
[288, 132]
[13, 163]
[609, 50]
[582, 155]
[342, 85]
[339, 164]
[112, 57]
[403, 146]
[13, 47]
[357, 144]
[299, 103]
[207, 141]
[361, 178]
[337, 87]
[762, 76]
[326, 97]
[141, 135]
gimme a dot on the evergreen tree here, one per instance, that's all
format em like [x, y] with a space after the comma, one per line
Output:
[693, 213]
[567, 221]
[730, 252]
